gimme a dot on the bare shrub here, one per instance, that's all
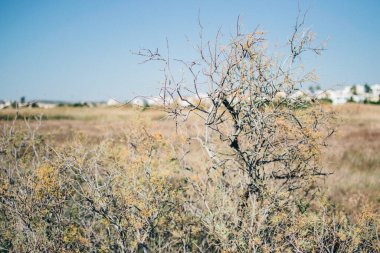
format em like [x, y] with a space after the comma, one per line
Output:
[264, 139]
[138, 191]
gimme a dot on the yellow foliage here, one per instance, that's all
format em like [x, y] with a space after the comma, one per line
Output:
[46, 180]
[73, 234]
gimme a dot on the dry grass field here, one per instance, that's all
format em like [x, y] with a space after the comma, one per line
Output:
[353, 154]
[354, 157]
[73, 134]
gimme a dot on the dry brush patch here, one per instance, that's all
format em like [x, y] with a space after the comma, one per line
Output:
[240, 172]
[131, 193]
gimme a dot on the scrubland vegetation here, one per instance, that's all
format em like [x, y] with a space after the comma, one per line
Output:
[132, 183]
[249, 168]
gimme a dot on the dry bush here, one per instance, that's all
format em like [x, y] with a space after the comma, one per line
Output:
[120, 196]
[256, 188]
[129, 194]
[264, 143]
[254, 125]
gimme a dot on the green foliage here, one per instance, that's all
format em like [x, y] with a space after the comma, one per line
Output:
[325, 101]
[353, 90]
[351, 100]
[367, 88]
[366, 101]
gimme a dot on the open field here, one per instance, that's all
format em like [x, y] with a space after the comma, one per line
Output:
[109, 179]
[354, 157]
[353, 154]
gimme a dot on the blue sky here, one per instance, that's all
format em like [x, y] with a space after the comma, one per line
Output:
[81, 49]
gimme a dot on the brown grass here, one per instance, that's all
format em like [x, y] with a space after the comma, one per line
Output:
[353, 155]
[122, 179]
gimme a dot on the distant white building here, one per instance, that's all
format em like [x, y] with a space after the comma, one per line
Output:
[356, 93]
[5, 104]
[113, 102]
[140, 101]
[200, 99]
[154, 101]
[184, 102]
[375, 95]
[322, 94]
[360, 89]
[45, 105]
[339, 96]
